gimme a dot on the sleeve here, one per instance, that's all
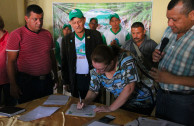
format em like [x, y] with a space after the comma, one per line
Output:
[95, 81]
[127, 37]
[128, 70]
[64, 62]
[13, 42]
[57, 52]
[104, 39]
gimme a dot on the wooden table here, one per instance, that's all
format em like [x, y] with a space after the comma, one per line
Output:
[60, 119]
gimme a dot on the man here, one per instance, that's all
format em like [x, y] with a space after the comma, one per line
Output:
[93, 23]
[66, 30]
[116, 34]
[76, 50]
[175, 72]
[31, 47]
[141, 43]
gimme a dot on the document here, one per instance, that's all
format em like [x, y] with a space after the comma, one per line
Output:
[141, 121]
[38, 112]
[97, 123]
[11, 111]
[56, 100]
[85, 112]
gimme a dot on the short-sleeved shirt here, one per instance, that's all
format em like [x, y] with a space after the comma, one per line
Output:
[121, 36]
[125, 74]
[179, 57]
[34, 50]
[3, 70]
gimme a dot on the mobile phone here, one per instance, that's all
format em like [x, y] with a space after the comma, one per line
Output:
[106, 119]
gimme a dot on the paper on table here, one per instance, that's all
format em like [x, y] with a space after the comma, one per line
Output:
[85, 112]
[97, 123]
[56, 100]
[37, 113]
[150, 122]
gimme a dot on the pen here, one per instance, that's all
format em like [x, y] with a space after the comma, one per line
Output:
[80, 99]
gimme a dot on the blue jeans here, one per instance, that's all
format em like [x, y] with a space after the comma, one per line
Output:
[34, 87]
[175, 108]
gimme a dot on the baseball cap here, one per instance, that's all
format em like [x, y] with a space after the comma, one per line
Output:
[94, 19]
[114, 15]
[67, 25]
[75, 13]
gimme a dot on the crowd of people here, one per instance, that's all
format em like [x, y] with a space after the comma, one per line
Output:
[114, 60]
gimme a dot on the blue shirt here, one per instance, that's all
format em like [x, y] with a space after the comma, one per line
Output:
[178, 58]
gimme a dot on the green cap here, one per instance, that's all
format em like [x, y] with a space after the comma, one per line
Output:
[67, 25]
[75, 13]
[114, 15]
[94, 19]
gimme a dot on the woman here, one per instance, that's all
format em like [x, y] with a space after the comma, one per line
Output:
[4, 82]
[114, 69]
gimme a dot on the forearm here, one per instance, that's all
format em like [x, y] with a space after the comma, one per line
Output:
[123, 97]
[90, 97]
[181, 80]
[11, 71]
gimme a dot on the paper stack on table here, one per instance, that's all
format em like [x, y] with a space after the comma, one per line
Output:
[56, 100]
[37, 113]
[85, 112]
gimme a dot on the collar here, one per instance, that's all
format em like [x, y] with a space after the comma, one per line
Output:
[31, 30]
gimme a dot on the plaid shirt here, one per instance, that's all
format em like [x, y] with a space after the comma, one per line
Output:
[178, 58]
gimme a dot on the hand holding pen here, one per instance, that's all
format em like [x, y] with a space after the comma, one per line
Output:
[80, 104]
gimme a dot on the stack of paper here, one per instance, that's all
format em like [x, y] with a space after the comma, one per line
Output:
[56, 100]
[37, 113]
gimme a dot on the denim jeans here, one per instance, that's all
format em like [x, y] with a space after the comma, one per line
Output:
[175, 108]
[34, 87]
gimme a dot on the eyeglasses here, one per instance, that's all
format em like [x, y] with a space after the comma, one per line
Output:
[103, 69]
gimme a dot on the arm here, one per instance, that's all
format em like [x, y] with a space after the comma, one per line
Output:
[88, 99]
[11, 71]
[54, 66]
[166, 77]
[121, 99]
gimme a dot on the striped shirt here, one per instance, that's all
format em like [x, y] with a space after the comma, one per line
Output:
[178, 58]
[3, 70]
[34, 50]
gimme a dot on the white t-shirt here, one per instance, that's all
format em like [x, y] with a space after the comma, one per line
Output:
[82, 66]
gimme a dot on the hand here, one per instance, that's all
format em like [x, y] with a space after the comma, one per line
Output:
[161, 75]
[114, 42]
[102, 109]
[80, 105]
[157, 55]
[15, 91]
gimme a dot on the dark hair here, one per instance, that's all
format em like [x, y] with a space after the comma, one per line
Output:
[188, 5]
[1, 23]
[33, 8]
[105, 54]
[137, 24]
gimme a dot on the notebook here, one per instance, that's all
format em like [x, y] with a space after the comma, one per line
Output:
[11, 111]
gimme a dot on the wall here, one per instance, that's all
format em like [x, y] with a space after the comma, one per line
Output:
[12, 12]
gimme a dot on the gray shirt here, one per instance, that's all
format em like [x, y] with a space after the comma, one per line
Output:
[146, 48]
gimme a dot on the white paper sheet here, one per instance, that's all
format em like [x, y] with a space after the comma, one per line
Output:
[37, 113]
[56, 100]
[141, 121]
[85, 112]
[97, 123]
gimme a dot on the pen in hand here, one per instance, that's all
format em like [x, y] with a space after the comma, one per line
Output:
[80, 99]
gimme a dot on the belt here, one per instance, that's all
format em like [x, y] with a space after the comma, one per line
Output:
[82, 75]
[184, 92]
[41, 77]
